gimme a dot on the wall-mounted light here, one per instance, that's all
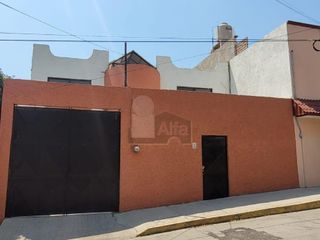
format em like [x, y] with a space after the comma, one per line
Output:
[136, 148]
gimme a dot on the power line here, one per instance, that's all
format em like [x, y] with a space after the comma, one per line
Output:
[52, 26]
[287, 5]
[150, 41]
[93, 42]
[133, 37]
[101, 36]
[273, 39]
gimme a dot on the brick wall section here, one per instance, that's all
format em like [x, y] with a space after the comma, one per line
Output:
[221, 55]
[261, 141]
[139, 76]
[241, 46]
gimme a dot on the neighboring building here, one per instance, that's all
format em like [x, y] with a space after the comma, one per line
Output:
[264, 68]
[288, 68]
[140, 73]
[174, 78]
[95, 70]
[212, 74]
[47, 67]
[281, 68]
[307, 129]
[280, 65]
[305, 62]
[225, 49]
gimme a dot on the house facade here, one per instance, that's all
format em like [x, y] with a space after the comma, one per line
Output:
[287, 69]
[111, 148]
[280, 66]
[129, 148]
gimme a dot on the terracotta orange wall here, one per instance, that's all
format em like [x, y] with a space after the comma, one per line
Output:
[261, 143]
[139, 76]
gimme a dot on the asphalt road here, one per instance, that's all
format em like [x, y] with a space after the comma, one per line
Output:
[303, 225]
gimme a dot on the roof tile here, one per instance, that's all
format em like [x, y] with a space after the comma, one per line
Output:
[304, 107]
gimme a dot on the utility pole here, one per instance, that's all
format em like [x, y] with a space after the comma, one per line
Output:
[125, 65]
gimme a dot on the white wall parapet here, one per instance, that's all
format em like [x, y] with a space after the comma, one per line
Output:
[45, 64]
[171, 76]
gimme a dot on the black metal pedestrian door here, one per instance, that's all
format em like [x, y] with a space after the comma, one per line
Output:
[215, 167]
[63, 161]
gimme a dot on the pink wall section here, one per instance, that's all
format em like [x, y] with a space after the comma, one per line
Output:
[305, 73]
[305, 60]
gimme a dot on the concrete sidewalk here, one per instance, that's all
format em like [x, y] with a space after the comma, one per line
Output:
[127, 225]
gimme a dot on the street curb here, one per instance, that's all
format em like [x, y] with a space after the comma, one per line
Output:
[230, 217]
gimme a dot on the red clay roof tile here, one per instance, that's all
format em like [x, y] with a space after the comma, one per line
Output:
[303, 107]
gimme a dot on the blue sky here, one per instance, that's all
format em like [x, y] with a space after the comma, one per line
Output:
[139, 18]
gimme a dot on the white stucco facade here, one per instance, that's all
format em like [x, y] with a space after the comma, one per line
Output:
[171, 76]
[45, 64]
[264, 68]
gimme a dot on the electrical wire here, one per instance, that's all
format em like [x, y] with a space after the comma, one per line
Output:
[136, 37]
[252, 40]
[94, 42]
[102, 36]
[54, 27]
[287, 5]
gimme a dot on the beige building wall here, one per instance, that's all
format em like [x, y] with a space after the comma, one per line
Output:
[299, 151]
[305, 60]
[308, 151]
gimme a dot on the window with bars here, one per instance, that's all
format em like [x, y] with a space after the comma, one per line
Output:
[69, 80]
[194, 89]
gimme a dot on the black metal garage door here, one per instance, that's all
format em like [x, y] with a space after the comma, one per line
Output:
[63, 161]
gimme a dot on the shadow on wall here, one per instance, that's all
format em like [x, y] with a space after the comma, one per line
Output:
[233, 85]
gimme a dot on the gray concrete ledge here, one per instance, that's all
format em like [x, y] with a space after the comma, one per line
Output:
[231, 217]
[126, 225]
